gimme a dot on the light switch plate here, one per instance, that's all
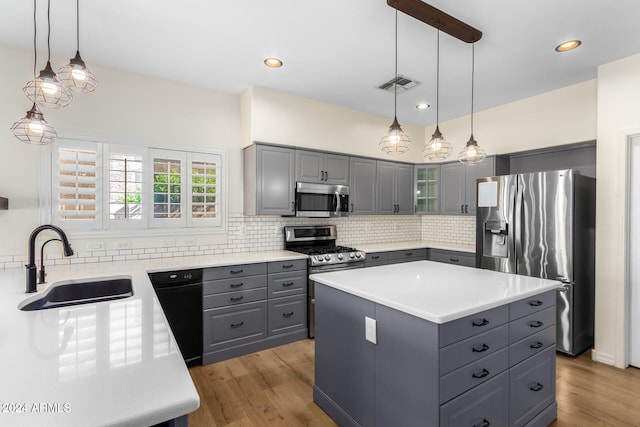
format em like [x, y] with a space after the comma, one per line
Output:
[370, 330]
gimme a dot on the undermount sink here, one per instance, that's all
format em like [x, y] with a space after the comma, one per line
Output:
[84, 291]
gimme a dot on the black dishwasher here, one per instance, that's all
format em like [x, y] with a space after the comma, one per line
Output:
[180, 295]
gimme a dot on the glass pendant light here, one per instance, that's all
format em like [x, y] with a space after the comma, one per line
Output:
[395, 141]
[472, 153]
[437, 148]
[75, 75]
[47, 90]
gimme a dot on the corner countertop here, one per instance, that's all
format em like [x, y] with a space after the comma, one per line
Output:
[415, 244]
[435, 291]
[110, 363]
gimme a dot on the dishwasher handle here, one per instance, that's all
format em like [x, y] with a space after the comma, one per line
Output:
[164, 279]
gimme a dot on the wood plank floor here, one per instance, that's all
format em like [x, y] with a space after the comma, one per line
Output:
[273, 388]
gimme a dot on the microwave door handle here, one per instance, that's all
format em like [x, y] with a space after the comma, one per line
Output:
[336, 198]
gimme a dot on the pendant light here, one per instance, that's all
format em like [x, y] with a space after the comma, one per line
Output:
[75, 75]
[47, 90]
[472, 153]
[395, 141]
[437, 148]
[33, 128]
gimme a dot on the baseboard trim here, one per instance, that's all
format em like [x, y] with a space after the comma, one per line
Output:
[605, 358]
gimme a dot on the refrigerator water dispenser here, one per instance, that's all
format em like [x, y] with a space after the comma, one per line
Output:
[495, 239]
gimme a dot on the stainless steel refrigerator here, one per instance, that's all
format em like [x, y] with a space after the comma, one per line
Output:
[543, 225]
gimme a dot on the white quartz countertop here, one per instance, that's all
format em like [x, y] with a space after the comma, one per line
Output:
[435, 291]
[111, 363]
[415, 244]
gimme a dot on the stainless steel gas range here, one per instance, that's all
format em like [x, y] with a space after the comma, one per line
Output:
[319, 243]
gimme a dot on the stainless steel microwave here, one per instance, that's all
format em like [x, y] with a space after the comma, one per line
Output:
[321, 200]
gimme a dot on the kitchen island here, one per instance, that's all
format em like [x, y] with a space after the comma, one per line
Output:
[428, 344]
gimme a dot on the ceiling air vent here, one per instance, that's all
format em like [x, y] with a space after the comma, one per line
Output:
[403, 83]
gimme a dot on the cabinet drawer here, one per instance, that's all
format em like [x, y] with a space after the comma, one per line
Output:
[463, 352]
[459, 381]
[452, 257]
[375, 264]
[234, 325]
[530, 305]
[379, 258]
[232, 271]
[469, 326]
[236, 284]
[284, 284]
[531, 345]
[409, 254]
[290, 265]
[525, 326]
[485, 405]
[532, 386]
[234, 298]
[287, 314]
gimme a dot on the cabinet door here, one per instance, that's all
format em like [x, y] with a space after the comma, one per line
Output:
[473, 172]
[336, 168]
[404, 189]
[276, 180]
[452, 188]
[427, 189]
[385, 188]
[309, 166]
[362, 185]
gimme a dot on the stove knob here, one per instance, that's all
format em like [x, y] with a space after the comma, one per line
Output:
[352, 255]
[358, 255]
[327, 257]
[318, 258]
[339, 256]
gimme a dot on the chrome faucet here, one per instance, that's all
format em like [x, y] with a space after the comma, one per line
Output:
[32, 269]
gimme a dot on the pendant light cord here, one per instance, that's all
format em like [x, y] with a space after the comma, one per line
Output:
[78, 25]
[473, 67]
[35, 50]
[395, 84]
[48, 30]
[438, 78]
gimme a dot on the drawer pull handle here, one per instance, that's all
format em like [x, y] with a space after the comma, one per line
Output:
[454, 260]
[536, 303]
[485, 423]
[287, 265]
[286, 285]
[236, 271]
[480, 322]
[237, 325]
[480, 374]
[536, 345]
[535, 324]
[480, 348]
[236, 285]
[375, 256]
[236, 299]
[287, 314]
[536, 387]
[408, 253]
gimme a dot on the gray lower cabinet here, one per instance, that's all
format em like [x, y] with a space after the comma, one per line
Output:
[460, 373]
[251, 307]
[452, 257]
[362, 186]
[394, 257]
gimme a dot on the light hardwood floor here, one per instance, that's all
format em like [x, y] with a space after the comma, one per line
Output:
[273, 388]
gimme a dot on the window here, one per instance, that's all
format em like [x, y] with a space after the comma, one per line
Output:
[100, 186]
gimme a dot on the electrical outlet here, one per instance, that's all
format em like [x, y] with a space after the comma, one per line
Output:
[189, 242]
[243, 230]
[278, 229]
[168, 243]
[95, 246]
[123, 245]
[370, 330]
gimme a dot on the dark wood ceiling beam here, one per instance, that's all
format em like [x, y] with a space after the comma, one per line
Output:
[437, 19]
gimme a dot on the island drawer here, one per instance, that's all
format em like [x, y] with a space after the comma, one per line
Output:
[452, 257]
[471, 325]
[532, 387]
[232, 271]
[235, 284]
[287, 314]
[290, 283]
[525, 326]
[532, 345]
[486, 405]
[466, 351]
[234, 298]
[408, 255]
[290, 265]
[240, 324]
[457, 382]
[530, 305]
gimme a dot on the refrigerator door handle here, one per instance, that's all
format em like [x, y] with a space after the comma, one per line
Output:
[518, 215]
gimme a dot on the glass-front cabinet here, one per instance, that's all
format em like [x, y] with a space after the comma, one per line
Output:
[427, 189]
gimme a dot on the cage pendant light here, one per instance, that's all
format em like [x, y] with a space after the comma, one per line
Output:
[395, 141]
[75, 75]
[46, 90]
[437, 148]
[472, 153]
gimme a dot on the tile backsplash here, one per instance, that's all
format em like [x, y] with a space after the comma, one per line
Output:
[264, 233]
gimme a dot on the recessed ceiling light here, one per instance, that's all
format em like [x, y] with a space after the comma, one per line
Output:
[273, 62]
[423, 106]
[568, 45]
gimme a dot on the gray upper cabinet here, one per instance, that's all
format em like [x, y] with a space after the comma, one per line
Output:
[427, 189]
[362, 186]
[394, 188]
[319, 167]
[269, 180]
[458, 186]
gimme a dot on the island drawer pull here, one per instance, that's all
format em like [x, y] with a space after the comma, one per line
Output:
[480, 322]
[408, 253]
[536, 387]
[536, 303]
[236, 299]
[237, 325]
[480, 348]
[287, 314]
[287, 265]
[375, 256]
[536, 345]
[485, 423]
[535, 324]
[287, 284]
[236, 271]
[236, 285]
[454, 260]
[480, 374]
